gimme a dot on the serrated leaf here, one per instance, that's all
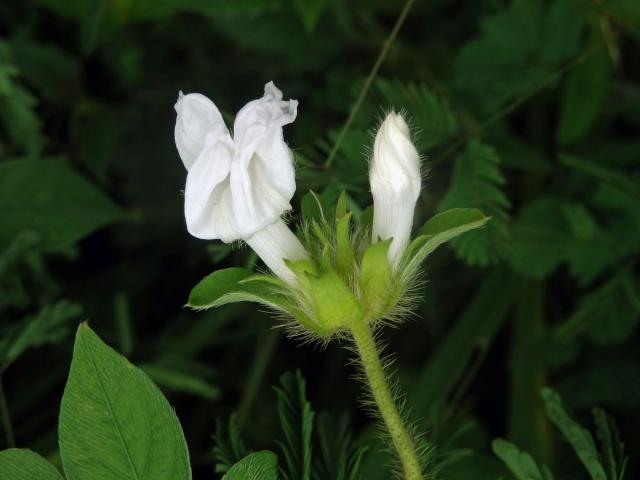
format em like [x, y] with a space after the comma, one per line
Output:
[440, 229]
[256, 466]
[50, 199]
[478, 182]
[114, 422]
[229, 447]
[339, 457]
[296, 420]
[579, 438]
[22, 464]
[613, 455]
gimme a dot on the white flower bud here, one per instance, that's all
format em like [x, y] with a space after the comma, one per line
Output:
[395, 180]
[237, 188]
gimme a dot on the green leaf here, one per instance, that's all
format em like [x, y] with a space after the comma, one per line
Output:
[340, 457]
[22, 464]
[256, 466]
[296, 420]
[583, 97]
[50, 325]
[579, 438]
[617, 180]
[477, 182]
[613, 455]
[50, 199]
[235, 284]
[520, 463]
[114, 422]
[429, 114]
[440, 229]
[309, 11]
[180, 381]
[561, 32]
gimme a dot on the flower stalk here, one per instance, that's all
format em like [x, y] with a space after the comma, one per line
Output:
[380, 391]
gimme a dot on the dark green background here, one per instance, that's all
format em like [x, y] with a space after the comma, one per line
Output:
[527, 110]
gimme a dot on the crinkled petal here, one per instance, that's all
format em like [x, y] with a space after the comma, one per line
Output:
[198, 124]
[262, 174]
[208, 208]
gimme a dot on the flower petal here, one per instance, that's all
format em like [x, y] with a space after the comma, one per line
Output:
[208, 207]
[262, 174]
[199, 122]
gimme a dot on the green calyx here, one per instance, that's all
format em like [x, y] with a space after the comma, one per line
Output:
[346, 279]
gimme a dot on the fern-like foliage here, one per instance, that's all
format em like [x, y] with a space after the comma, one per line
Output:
[493, 70]
[229, 448]
[296, 420]
[477, 182]
[339, 457]
[429, 114]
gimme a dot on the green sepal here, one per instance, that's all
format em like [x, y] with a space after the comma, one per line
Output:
[438, 230]
[341, 206]
[375, 280]
[334, 304]
[344, 256]
[366, 219]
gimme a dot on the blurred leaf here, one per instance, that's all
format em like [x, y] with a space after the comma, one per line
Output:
[477, 182]
[114, 422]
[50, 199]
[583, 97]
[615, 179]
[429, 115]
[561, 31]
[296, 420]
[309, 11]
[520, 463]
[180, 381]
[22, 464]
[50, 325]
[17, 108]
[256, 466]
[608, 314]
[579, 438]
[613, 456]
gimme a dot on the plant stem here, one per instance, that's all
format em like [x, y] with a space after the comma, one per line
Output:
[367, 83]
[6, 419]
[377, 380]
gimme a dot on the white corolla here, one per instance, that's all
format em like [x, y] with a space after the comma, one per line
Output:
[239, 187]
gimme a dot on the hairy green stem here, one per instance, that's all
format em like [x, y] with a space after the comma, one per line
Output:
[377, 381]
[6, 419]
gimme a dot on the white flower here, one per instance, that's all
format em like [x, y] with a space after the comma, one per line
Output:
[395, 180]
[237, 188]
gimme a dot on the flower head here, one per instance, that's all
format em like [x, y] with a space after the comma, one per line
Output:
[395, 184]
[238, 187]
[235, 186]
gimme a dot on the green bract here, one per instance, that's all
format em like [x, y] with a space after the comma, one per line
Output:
[346, 278]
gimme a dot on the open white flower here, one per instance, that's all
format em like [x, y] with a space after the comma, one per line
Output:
[238, 188]
[395, 181]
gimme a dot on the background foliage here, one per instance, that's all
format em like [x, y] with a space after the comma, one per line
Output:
[528, 110]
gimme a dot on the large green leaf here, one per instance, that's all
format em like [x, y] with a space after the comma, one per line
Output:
[22, 464]
[114, 422]
[256, 466]
[49, 198]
